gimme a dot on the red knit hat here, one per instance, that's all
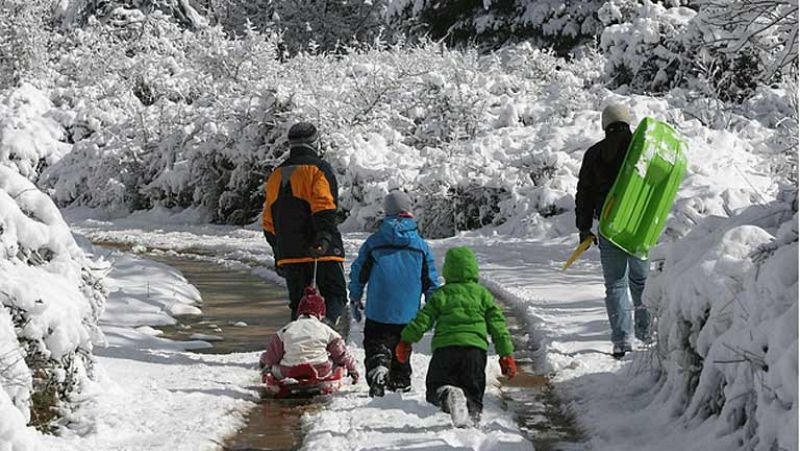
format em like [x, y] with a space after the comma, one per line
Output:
[311, 304]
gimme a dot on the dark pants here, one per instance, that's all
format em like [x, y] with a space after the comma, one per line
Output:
[380, 339]
[459, 366]
[331, 284]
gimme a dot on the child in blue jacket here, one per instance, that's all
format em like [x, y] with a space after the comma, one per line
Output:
[399, 268]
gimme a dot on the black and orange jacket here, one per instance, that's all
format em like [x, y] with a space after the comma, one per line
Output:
[300, 209]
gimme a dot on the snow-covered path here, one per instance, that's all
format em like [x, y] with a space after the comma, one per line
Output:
[566, 310]
[150, 393]
[170, 400]
[352, 420]
[406, 421]
[611, 400]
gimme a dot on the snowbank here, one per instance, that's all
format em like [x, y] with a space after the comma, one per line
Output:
[727, 301]
[51, 297]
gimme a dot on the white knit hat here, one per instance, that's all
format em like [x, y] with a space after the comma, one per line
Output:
[615, 113]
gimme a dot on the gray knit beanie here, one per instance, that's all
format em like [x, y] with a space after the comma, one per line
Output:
[304, 134]
[615, 113]
[396, 202]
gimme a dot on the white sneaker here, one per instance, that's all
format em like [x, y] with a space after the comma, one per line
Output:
[456, 403]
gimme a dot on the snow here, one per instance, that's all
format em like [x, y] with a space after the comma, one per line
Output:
[28, 132]
[151, 393]
[161, 399]
[406, 420]
[47, 330]
[491, 143]
[618, 404]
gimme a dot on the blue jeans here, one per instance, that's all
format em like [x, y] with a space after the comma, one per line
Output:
[622, 271]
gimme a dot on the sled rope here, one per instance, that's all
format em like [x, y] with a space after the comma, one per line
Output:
[314, 277]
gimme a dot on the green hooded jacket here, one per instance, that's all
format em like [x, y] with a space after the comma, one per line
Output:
[463, 311]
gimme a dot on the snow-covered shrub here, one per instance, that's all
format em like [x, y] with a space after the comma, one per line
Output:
[30, 139]
[727, 303]
[23, 40]
[50, 301]
[753, 41]
[179, 119]
[647, 51]
[160, 116]
[557, 24]
[80, 12]
[307, 24]
[721, 49]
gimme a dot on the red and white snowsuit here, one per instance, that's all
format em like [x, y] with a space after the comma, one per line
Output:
[304, 347]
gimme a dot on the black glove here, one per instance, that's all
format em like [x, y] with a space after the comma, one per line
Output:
[583, 234]
[357, 307]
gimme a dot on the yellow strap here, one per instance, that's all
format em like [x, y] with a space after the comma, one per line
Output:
[578, 251]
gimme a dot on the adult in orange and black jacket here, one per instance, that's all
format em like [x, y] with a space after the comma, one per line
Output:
[299, 221]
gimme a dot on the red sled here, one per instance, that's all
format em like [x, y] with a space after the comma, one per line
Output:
[306, 387]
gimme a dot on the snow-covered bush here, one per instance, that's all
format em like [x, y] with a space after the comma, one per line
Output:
[24, 40]
[80, 12]
[304, 25]
[721, 49]
[727, 303]
[557, 24]
[50, 301]
[30, 139]
[176, 119]
[646, 52]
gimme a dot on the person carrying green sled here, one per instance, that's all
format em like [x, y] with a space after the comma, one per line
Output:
[463, 313]
[621, 270]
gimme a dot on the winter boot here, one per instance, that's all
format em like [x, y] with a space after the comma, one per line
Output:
[476, 419]
[376, 379]
[454, 402]
[399, 384]
[620, 349]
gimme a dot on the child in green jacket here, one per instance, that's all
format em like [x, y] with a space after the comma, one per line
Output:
[463, 313]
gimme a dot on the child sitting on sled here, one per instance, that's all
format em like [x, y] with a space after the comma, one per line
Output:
[307, 348]
[462, 312]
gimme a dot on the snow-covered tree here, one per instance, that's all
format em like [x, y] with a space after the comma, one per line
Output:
[304, 25]
[47, 330]
[722, 49]
[24, 40]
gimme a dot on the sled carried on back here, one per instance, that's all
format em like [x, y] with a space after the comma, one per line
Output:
[635, 211]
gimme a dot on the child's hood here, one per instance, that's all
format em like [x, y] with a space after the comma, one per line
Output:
[397, 230]
[460, 265]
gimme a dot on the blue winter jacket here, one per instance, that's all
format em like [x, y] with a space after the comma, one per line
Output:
[398, 266]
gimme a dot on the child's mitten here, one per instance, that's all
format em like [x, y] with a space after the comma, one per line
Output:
[508, 366]
[402, 351]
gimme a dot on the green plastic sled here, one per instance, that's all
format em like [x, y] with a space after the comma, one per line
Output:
[636, 208]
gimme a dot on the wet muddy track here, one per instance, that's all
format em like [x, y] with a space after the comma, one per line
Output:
[243, 310]
[531, 397]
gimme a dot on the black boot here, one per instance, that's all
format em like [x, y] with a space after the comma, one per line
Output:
[376, 379]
